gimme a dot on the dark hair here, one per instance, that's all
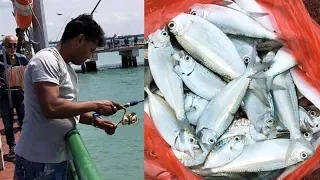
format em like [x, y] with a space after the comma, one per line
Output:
[84, 24]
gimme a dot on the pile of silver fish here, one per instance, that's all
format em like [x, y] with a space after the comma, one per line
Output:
[223, 90]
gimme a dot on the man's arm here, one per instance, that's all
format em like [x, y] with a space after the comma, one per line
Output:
[54, 107]
[86, 118]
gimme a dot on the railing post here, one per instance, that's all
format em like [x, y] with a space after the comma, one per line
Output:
[83, 163]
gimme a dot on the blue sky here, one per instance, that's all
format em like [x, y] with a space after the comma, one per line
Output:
[121, 17]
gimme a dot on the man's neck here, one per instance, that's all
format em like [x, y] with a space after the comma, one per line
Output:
[64, 50]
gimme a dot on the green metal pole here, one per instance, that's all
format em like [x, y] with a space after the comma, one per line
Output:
[72, 171]
[84, 165]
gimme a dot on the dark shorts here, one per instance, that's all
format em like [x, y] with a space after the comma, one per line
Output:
[27, 170]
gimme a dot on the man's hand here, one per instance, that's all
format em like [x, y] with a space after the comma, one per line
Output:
[108, 108]
[108, 126]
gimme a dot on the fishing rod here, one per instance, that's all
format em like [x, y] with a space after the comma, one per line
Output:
[94, 9]
[130, 118]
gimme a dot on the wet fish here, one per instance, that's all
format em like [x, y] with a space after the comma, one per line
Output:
[147, 77]
[283, 61]
[286, 108]
[220, 111]
[253, 6]
[225, 151]
[161, 66]
[244, 47]
[194, 106]
[196, 77]
[232, 21]
[263, 156]
[244, 127]
[146, 106]
[169, 127]
[207, 44]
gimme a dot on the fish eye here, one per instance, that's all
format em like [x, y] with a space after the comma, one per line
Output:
[306, 135]
[270, 121]
[211, 141]
[187, 58]
[193, 13]
[303, 155]
[164, 34]
[192, 140]
[313, 113]
[236, 138]
[246, 59]
[171, 25]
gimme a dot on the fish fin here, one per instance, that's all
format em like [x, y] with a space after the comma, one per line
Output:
[257, 14]
[148, 91]
[223, 3]
[275, 87]
[258, 75]
[198, 160]
[270, 83]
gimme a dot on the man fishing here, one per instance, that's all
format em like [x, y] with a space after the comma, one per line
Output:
[13, 59]
[51, 105]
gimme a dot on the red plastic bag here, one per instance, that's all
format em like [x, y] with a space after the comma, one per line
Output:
[298, 30]
[159, 156]
[302, 34]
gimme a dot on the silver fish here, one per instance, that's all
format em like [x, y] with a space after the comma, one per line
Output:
[244, 127]
[196, 77]
[161, 66]
[207, 44]
[225, 151]
[263, 156]
[253, 6]
[283, 61]
[220, 111]
[147, 77]
[194, 106]
[169, 127]
[146, 106]
[244, 47]
[286, 108]
[232, 21]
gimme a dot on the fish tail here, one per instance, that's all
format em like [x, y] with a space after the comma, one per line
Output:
[294, 142]
[290, 149]
[146, 88]
[305, 143]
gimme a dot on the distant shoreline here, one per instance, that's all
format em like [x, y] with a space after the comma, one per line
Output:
[108, 66]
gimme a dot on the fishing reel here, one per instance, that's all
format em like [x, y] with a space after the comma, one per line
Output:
[129, 119]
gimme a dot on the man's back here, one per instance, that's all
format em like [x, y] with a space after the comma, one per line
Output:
[42, 139]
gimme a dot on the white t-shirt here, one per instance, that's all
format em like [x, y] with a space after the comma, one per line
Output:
[43, 140]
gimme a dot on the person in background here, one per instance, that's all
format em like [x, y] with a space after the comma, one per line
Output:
[51, 105]
[17, 95]
[23, 47]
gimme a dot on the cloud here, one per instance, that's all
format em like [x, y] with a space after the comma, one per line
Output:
[121, 16]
